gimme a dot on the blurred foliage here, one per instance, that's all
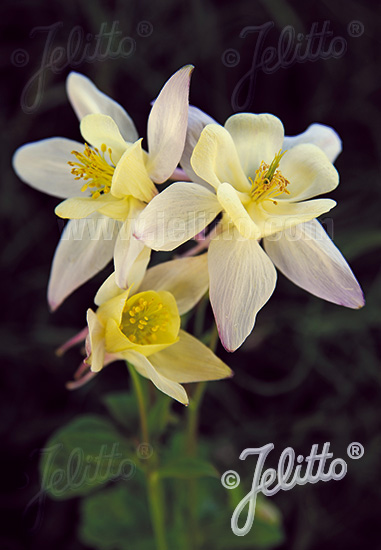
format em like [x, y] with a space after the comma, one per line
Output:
[309, 373]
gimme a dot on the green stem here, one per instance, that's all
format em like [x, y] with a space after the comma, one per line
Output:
[157, 508]
[193, 418]
[192, 435]
[155, 495]
[141, 402]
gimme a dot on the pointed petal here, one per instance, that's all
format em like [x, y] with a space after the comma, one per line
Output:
[273, 218]
[87, 99]
[130, 176]
[257, 138]
[167, 126]
[96, 341]
[185, 278]
[164, 384]
[101, 129]
[82, 207]
[176, 215]
[81, 253]
[242, 279]
[323, 136]
[215, 159]
[130, 257]
[44, 166]
[230, 202]
[108, 290]
[197, 120]
[309, 172]
[308, 257]
[189, 361]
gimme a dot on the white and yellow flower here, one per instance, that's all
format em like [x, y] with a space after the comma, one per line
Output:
[114, 179]
[264, 192]
[142, 326]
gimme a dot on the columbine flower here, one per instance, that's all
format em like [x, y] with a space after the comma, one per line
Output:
[264, 192]
[142, 325]
[113, 179]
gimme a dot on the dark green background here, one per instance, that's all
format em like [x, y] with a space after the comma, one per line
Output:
[311, 371]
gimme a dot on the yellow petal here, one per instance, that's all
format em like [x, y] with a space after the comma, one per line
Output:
[186, 279]
[309, 172]
[98, 129]
[273, 218]
[189, 361]
[130, 176]
[257, 138]
[166, 385]
[233, 206]
[117, 342]
[215, 159]
[82, 207]
[97, 341]
[113, 308]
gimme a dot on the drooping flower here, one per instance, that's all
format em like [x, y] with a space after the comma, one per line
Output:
[264, 193]
[111, 181]
[142, 326]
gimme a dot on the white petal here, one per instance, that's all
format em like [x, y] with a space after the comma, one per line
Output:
[44, 166]
[185, 278]
[146, 369]
[189, 361]
[232, 205]
[308, 257]
[215, 159]
[167, 125]
[176, 215]
[101, 129]
[95, 341]
[323, 136]
[197, 120]
[85, 248]
[128, 251]
[257, 138]
[87, 99]
[309, 172]
[242, 279]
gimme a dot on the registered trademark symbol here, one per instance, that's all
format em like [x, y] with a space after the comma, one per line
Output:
[144, 29]
[355, 450]
[355, 29]
[144, 451]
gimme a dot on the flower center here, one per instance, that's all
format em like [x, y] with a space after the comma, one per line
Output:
[269, 182]
[93, 167]
[150, 318]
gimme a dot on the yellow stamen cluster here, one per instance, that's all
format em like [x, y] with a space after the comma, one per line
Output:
[269, 182]
[94, 169]
[143, 321]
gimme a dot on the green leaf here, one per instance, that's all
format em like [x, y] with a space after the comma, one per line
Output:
[84, 455]
[262, 535]
[123, 408]
[159, 415]
[116, 518]
[187, 468]
[266, 531]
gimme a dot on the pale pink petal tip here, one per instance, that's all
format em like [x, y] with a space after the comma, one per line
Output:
[77, 339]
